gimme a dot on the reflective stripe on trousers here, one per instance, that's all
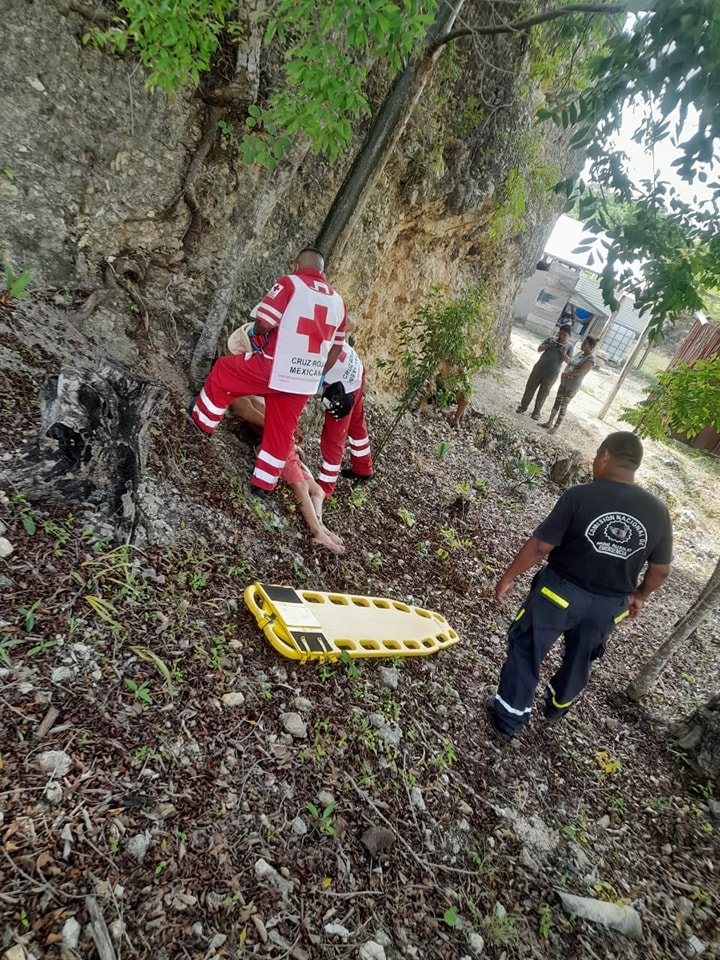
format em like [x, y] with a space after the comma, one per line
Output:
[554, 607]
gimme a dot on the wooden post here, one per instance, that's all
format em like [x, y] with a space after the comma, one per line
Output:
[623, 374]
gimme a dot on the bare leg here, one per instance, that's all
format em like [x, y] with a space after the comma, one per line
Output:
[251, 410]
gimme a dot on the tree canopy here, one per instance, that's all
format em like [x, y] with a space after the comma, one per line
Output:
[666, 57]
[666, 60]
[685, 400]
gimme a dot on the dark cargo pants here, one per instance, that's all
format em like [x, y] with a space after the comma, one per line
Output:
[554, 607]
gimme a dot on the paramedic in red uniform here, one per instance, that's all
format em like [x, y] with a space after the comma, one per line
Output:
[348, 370]
[299, 332]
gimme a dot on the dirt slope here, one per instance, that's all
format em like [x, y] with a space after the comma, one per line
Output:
[158, 801]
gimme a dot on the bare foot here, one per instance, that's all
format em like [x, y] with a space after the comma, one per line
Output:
[333, 536]
[331, 541]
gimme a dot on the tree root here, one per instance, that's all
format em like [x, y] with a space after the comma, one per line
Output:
[116, 269]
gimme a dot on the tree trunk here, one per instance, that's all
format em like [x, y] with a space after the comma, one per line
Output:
[93, 442]
[274, 192]
[683, 629]
[389, 124]
[699, 739]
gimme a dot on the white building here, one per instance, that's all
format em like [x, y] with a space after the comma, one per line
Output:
[558, 284]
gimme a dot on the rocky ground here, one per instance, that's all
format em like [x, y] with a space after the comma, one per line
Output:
[172, 787]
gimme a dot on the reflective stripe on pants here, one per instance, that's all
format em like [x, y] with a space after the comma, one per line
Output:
[554, 607]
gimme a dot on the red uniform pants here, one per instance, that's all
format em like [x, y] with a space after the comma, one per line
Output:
[332, 445]
[240, 375]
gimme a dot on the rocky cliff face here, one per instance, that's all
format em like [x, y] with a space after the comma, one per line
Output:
[96, 170]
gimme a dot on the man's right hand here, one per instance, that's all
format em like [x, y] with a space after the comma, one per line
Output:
[503, 589]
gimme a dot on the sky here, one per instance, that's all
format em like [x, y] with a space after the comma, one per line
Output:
[568, 232]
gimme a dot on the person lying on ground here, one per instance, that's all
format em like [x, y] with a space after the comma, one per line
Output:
[295, 474]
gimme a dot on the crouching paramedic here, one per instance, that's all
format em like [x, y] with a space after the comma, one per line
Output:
[347, 370]
[597, 539]
[299, 332]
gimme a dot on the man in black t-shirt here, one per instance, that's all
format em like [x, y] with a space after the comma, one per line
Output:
[597, 539]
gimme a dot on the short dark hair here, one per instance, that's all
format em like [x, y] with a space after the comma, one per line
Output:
[312, 250]
[624, 447]
[591, 340]
[566, 327]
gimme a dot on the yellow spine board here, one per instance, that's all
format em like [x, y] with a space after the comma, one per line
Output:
[309, 625]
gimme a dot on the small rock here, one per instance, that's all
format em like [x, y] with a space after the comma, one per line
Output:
[234, 699]
[390, 677]
[377, 840]
[476, 943]
[299, 827]
[336, 930]
[6, 548]
[137, 846]
[371, 951]
[53, 792]
[294, 724]
[624, 920]
[117, 930]
[389, 732]
[416, 798]
[56, 762]
[604, 822]
[71, 933]
[325, 798]
[302, 704]
[61, 674]
[684, 907]
[217, 941]
[263, 871]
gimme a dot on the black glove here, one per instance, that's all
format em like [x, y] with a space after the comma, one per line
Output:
[336, 401]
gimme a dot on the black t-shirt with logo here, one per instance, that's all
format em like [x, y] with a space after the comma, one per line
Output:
[604, 532]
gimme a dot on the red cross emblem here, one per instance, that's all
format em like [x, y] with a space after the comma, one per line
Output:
[315, 328]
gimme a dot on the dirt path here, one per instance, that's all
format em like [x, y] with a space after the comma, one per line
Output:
[682, 477]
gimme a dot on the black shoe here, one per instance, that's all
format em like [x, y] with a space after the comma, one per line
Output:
[553, 717]
[535, 416]
[258, 492]
[520, 410]
[492, 721]
[350, 474]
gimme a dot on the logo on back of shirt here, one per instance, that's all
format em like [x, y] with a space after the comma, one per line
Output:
[617, 535]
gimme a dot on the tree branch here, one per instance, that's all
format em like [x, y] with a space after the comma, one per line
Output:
[515, 26]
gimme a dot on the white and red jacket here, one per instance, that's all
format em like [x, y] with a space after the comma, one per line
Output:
[307, 317]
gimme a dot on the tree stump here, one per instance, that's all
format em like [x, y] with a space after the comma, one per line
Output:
[93, 442]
